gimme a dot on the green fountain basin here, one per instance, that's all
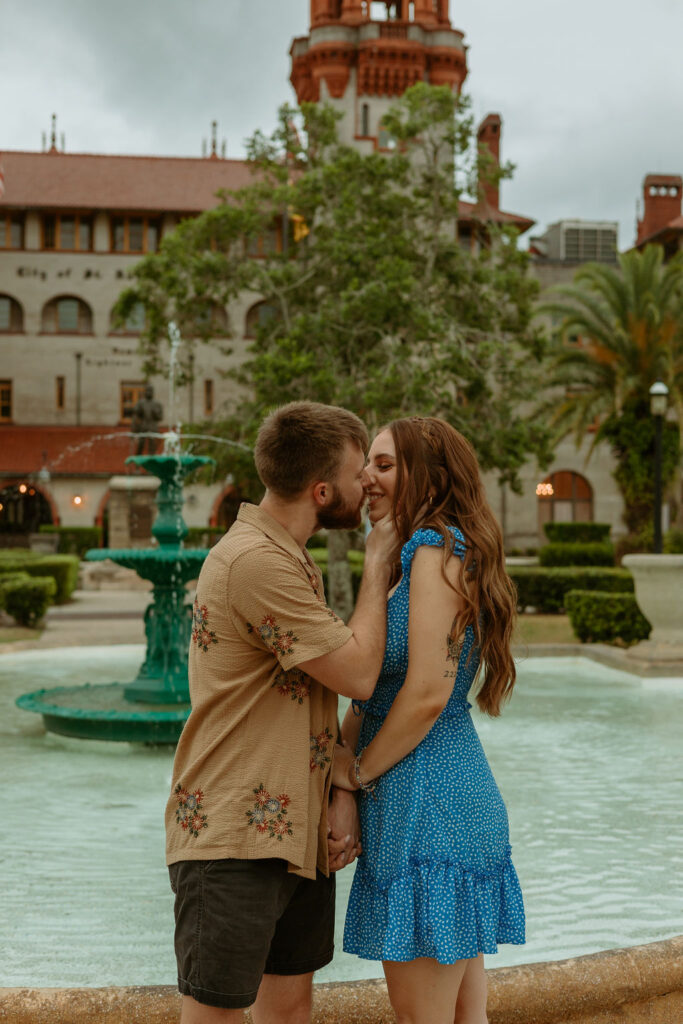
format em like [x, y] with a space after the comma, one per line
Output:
[103, 712]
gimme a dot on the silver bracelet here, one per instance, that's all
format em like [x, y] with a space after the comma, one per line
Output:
[364, 787]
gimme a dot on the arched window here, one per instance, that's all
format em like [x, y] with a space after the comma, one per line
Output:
[67, 314]
[11, 315]
[212, 320]
[135, 321]
[258, 316]
[365, 119]
[564, 497]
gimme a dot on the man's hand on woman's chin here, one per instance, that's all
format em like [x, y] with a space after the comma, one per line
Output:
[343, 838]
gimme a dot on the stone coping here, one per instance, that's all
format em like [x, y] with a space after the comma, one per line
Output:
[635, 985]
[620, 658]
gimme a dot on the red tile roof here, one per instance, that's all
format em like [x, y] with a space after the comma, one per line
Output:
[674, 227]
[64, 451]
[484, 212]
[86, 181]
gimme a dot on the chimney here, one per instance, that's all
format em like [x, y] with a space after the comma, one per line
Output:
[488, 136]
[661, 202]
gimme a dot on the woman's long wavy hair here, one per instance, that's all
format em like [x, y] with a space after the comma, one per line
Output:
[433, 459]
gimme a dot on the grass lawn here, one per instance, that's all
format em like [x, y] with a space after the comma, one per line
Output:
[9, 634]
[544, 629]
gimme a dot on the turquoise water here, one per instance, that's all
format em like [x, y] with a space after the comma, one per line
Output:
[588, 760]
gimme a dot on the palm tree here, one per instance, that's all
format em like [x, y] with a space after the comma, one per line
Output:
[628, 326]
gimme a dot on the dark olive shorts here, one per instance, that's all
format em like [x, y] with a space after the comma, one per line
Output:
[237, 920]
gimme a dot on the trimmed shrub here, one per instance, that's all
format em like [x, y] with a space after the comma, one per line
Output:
[588, 553]
[577, 533]
[7, 579]
[672, 543]
[63, 569]
[28, 600]
[545, 589]
[600, 617]
[75, 540]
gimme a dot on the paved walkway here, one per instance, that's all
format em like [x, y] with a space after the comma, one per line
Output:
[91, 617]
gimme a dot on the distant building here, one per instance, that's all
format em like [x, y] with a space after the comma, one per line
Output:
[662, 222]
[577, 241]
[71, 227]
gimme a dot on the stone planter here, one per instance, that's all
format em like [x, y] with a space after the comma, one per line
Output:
[659, 592]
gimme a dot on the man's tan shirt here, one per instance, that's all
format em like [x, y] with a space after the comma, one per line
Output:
[251, 775]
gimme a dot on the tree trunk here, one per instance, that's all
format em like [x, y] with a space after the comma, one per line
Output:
[339, 589]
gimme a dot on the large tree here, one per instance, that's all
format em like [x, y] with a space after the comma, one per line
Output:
[627, 326]
[374, 303]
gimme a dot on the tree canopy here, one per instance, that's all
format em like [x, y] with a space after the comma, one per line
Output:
[373, 302]
[628, 325]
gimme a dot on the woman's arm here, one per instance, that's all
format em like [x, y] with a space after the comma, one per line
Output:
[350, 732]
[432, 669]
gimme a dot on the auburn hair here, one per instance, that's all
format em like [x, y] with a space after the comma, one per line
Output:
[434, 460]
[302, 442]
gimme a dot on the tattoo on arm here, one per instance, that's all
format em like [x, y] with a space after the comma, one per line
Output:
[453, 644]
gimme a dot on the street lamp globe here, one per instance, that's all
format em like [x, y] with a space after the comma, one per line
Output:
[659, 394]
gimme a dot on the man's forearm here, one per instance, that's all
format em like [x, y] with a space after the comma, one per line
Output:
[369, 619]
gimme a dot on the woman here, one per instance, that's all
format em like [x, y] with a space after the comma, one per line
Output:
[435, 887]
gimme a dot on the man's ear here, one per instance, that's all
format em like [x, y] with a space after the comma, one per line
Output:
[320, 492]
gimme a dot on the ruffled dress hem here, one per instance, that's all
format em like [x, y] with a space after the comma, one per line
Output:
[439, 909]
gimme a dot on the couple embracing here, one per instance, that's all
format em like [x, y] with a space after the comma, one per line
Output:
[268, 800]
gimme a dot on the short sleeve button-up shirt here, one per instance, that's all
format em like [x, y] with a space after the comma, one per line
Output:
[251, 774]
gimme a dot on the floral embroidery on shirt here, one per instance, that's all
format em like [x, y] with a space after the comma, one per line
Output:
[202, 636]
[273, 637]
[292, 684]
[189, 810]
[333, 616]
[268, 814]
[319, 745]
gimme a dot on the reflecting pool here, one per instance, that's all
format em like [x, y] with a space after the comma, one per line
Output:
[588, 760]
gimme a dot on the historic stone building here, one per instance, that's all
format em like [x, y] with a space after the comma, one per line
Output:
[72, 225]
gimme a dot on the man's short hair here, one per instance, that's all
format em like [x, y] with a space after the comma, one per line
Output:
[302, 442]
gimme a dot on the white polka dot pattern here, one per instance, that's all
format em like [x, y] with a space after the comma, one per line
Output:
[435, 878]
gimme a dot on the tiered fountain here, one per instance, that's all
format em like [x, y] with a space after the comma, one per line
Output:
[154, 706]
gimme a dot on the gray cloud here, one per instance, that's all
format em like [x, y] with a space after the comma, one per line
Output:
[590, 93]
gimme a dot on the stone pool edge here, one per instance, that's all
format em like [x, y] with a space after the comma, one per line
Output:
[638, 983]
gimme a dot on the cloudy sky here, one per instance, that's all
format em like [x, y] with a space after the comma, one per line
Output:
[591, 93]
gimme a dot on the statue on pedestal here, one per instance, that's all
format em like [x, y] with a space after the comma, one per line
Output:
[147, 414]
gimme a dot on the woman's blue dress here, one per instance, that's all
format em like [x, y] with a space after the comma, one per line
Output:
[435, 878]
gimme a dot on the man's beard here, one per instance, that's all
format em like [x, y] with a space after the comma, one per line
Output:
[339, 514]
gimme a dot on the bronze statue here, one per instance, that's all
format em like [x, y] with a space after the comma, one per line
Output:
[147, 414]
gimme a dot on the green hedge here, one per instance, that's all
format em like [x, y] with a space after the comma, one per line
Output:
[588, 553]
[356, 559]
[75, 540]
[203, 536]
[545, 589]
[601, 617]
[63, 569]
[577, 533]
[28, 600]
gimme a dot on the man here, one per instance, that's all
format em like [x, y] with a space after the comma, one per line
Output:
[247, 820]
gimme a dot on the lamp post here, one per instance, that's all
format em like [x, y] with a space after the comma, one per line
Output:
[659, 393]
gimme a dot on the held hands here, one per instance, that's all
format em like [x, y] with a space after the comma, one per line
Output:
[343, 833]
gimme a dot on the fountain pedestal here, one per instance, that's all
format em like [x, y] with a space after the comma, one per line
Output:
[658, 583]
